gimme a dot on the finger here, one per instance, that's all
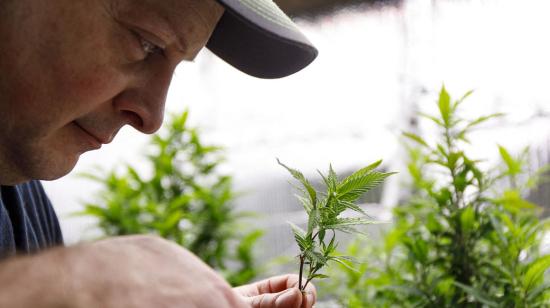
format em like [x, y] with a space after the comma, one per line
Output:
[277, 283]
[291, 298]
[271, 285]
[309, 296]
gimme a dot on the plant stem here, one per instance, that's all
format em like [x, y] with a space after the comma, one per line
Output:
[301, 271]
[305, 285]
[315, 235]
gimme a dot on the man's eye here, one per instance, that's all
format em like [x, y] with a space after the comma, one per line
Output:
[150, 48]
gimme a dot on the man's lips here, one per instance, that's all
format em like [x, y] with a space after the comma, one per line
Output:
[99, 140]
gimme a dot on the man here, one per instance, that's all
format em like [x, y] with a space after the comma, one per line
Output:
[73, 72]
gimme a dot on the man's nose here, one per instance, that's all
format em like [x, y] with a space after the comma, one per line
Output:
[142, 103]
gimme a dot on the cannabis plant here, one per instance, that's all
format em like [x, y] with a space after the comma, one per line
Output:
[318, 242]
[466, 237]
[186, 200]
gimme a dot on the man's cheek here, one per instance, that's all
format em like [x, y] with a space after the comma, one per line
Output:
[88, 89]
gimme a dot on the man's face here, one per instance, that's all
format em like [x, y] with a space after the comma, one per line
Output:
[72, 73]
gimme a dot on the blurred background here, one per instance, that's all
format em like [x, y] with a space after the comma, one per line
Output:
[380, 62]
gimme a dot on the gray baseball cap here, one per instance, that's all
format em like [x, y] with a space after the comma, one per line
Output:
[256, 37]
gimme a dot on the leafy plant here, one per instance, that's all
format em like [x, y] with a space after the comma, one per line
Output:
[185, 200]
[324, 217]
[465, 238]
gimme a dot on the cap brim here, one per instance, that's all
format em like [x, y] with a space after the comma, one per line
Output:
[256, 37]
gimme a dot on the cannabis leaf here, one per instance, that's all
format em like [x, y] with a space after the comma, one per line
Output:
[324, 211]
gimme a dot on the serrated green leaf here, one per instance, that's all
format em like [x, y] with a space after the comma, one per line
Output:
[477, 294]
[172, 220]
[353, 221]
[432, 118]
[444, 105]
[332, 179]
[302, 179]
[498, 229]
[344, 263]
[321, 235]
[539, 290]
[512, 201]
[352, 206]
[416, 138]
[297, 230]
[300, 237]
[535, 272]
[344, 229]
[92, 210]
[349, 259]
[514, 167]
[351, 181]
[461, 100]
[481, 120]
[315, 256]
[332, 244]
[306, 203]
[320, 276]
[441, 150]
[313, 220]
[392, 239]
[360, 185]
[92, 177]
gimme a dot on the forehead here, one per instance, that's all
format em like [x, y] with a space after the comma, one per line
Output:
[190, 21]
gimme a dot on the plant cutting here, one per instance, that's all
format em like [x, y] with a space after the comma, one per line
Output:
[318, 243]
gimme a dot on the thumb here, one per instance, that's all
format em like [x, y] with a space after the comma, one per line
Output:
[290, 298]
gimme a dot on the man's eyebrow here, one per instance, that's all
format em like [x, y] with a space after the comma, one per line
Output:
[167, 25]
[181, 41]
[190, 25]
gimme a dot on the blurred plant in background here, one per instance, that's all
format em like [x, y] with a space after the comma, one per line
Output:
[465, 238]
[186, 200]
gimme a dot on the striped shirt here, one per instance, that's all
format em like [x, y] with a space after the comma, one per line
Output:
[28, 222]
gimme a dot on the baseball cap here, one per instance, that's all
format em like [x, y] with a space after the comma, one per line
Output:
[258, 38]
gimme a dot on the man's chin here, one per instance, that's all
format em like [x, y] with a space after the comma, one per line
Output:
[36, 163]
[56, 170]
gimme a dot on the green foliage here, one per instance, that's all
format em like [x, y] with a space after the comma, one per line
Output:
[185, 200]
[465, 238]
[324, 217]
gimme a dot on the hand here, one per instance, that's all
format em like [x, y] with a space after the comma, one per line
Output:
[278, 292]
[144, 271]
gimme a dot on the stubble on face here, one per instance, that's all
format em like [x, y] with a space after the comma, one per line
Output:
[73, 62]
